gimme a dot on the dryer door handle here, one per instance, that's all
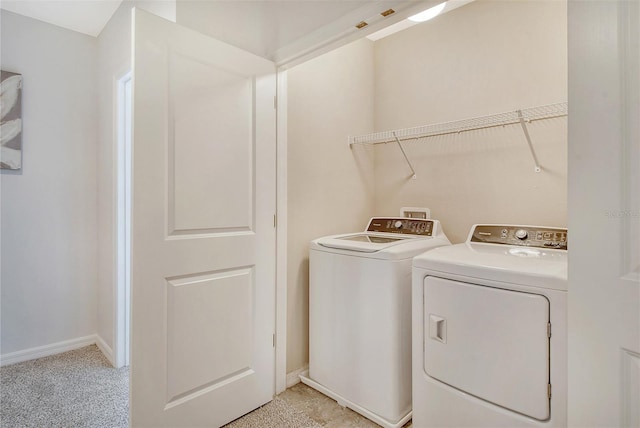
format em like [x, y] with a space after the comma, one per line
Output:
[437, 328]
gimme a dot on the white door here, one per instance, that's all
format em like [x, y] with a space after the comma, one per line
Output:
[203, 247]
[488, 342]
[604, 213]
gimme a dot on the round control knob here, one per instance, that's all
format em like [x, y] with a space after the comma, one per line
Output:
[521, 234]
[398, 224]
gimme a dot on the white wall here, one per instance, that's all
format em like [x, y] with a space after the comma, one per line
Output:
[329, 185]
[483, 58]
[49, 207]
[114, 59]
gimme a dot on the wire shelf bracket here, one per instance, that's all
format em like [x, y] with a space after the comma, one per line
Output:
[413, 171]
[518, 117]
[537, 167]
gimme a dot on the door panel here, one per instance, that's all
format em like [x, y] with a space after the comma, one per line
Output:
[194, 358]
[209, 149]
[203, 259]
[488, 342]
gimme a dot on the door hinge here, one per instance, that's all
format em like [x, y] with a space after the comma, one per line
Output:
[274, 340]
[275, 101]
[549, 391]
[549, 330]
[275, 221]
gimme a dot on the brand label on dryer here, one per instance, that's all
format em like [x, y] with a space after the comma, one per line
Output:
[526, 236]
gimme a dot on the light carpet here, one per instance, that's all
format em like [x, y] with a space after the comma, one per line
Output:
[275, 414]
[75, 389]
[81, 389]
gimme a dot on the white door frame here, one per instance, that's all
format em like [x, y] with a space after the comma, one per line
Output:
[281, 233]
[604, 211]
[122, 245]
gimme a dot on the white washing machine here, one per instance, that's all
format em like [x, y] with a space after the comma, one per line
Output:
[360, 315]
[490, 330]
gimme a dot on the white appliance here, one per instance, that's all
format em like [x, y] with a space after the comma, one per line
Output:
[360, 315]
[490, 330]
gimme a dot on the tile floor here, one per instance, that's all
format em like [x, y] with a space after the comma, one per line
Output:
[324, 410]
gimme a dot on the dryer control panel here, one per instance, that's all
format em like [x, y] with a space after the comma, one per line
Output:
[526, 236]
[407, 226]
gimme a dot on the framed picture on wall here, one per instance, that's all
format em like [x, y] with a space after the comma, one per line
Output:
[11, 120]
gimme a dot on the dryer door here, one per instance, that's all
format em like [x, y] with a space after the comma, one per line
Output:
[488, 342]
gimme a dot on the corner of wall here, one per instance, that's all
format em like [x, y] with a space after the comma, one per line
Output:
[329, 184]
[105, 349]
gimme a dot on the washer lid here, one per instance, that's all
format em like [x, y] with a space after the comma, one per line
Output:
[386, 238]
[362, 242]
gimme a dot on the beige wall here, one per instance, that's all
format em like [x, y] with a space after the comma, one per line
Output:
[486, 57]
[329, 185]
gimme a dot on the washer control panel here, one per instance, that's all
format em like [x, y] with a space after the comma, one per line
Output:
[526, 236]
[407, 226]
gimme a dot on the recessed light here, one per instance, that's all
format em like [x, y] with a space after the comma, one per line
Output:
[428, 14]
[441, 8]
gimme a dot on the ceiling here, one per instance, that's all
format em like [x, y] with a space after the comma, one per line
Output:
[295, 18]
[296, 30]
[85, 16]
[90, 16]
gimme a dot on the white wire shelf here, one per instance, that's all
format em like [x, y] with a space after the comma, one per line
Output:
[458, 126]
[517, 117]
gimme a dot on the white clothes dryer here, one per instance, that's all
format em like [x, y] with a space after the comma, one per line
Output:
[490, 330]
[360, 315]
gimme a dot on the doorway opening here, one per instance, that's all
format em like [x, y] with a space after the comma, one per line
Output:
[123, 240]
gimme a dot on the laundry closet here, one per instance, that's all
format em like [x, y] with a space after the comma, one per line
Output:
[479, 60]
[572, 64]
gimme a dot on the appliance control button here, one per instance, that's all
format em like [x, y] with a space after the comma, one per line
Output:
[398, 224]
[521, 234]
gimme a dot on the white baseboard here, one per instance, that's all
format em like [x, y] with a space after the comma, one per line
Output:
[294, 377]
[105, 349]
[45, 351]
